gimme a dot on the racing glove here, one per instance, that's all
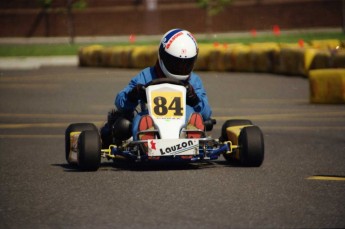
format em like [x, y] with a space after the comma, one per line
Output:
[137, 93]
[192, 97]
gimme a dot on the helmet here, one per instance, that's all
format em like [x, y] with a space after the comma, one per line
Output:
[177, 54]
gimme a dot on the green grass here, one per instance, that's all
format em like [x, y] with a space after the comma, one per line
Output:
[38, 50]
[11, 50]
[287, 38]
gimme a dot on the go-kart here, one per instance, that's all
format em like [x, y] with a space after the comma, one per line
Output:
[240, 140]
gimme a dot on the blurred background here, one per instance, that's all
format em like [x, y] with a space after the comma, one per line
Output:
[55, 18]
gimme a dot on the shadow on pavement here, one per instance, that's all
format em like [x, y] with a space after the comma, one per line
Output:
[151, 166]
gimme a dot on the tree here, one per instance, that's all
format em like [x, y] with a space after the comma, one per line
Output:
[42, 15]
[46, 7]
[73, 4]
[212, 7]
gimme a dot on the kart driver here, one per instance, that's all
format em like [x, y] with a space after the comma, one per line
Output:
[178, 51]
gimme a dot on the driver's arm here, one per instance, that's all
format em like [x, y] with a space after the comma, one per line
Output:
[203, 106]
[125, 100]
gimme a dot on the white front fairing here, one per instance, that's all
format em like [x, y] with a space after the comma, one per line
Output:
[167, 107]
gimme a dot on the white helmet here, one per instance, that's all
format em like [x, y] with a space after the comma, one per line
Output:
[177, 54]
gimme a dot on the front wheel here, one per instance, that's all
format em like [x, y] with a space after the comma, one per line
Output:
[224, 135]
[71, 140]
[251, 142]
[89, 150]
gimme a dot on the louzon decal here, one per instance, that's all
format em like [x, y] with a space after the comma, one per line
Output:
[175, 149]
[161, 147]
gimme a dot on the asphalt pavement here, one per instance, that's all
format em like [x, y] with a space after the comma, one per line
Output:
[301, 183]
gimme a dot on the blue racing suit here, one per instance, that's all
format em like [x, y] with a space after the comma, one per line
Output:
[147, 75]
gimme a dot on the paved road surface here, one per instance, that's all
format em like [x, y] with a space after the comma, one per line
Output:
[38, 189]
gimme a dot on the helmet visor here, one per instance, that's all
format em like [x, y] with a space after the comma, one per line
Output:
[177, 65]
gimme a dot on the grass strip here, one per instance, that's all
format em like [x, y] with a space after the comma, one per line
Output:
[12, 50]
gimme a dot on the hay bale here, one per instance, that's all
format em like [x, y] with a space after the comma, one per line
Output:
[294, 45]
[241, 59]
[338, 59]
[320, 59]
[106, 57]
[118, 56]
[325, 44]
[203, 57]
[228, 56]
[90, 56]
[216, 58]
[298, 61]
[262, 56]
[291, 61]
[143, 56]
[327, 86]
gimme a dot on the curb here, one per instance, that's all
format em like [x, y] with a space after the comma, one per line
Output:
[27, 63]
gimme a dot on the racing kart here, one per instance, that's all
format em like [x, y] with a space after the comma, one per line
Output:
[240, 140]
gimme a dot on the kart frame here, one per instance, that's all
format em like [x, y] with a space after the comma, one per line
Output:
[209, 149]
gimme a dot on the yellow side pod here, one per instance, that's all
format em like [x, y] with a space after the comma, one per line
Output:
[233, 133]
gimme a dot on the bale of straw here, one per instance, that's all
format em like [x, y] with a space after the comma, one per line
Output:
[327, 86]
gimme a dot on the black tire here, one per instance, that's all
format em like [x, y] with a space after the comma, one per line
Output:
[75, 127]
[89, 150]
[224, 136]
[252, 148]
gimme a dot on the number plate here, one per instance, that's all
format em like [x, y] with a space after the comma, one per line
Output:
[172, 147]
[167, 107]
[167, 104]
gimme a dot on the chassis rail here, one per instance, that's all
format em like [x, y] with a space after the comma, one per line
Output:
[209, 149]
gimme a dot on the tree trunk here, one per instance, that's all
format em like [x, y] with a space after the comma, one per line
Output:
[70, 21]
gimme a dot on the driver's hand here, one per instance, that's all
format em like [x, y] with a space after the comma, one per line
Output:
[192, 97]
[137, 93]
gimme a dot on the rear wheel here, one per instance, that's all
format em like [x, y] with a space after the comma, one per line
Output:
[89, 150]
[251, 143]
[224, 135]
[71, 139]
